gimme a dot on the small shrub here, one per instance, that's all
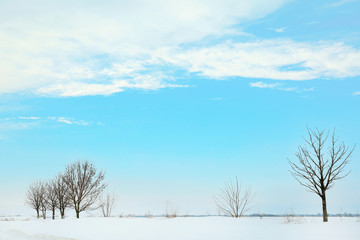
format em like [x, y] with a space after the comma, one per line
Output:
[170, 213]
[291, 218]
[148, 214]
[7, 219]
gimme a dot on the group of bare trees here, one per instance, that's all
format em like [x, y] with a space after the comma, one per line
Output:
[319, 164]
[79, 187]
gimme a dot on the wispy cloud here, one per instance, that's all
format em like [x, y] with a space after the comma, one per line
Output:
[72, 121]
[307, 90]
[76, 89]
[280, 87]
[272, 86]
[288, 89]
[96, 48]
[269, 59]
[356, 93]
[17, 125]
[30, 118]
[87, 52]
[30, 122]
[280, 30]
[263, 85]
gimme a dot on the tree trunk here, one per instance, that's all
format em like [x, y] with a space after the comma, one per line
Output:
[325, 215]
[77, 214]
[62, 213]
[37, 213]
[53, 213]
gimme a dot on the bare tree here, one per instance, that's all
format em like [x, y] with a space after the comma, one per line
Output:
[316, 171]
[85, 184]
[232, 201]
[34, 198]
[51, 198]
[42, 198]
[107, 204]
[61, 192]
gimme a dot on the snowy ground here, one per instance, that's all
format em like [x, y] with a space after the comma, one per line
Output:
[184, 228]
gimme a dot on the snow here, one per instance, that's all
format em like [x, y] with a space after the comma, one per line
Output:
[184, 228]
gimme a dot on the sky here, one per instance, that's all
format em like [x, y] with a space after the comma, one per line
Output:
[173, 98]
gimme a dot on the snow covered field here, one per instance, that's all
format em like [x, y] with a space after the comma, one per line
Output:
[185, 228]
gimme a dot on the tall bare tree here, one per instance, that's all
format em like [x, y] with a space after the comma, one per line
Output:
[61, 192]
[320, 164]
[107, 204]
[51, 198]
[233, 201]
[42, 198]
[85, 184]
[34, 198]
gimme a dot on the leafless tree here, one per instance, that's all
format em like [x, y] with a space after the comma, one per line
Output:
[107, 204]
[34, 198]
[232, 201]
[85, 184]
[42, 198]
[61, 192]
[318, 169]
[51, 198]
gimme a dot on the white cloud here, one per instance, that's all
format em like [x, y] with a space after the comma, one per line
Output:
[16, 125]
[19, 123]
[7, 119]
[278, 59]
[288, 89]
[308, 90]
[76, 89]
[263, 85]
[61, 47]
[72, 121]
[356, 93]
[280, 87]
[280, 30]
[30, 118]
[85, 48]
[72, 89]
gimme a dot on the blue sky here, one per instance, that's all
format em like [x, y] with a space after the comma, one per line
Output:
[172, 99]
